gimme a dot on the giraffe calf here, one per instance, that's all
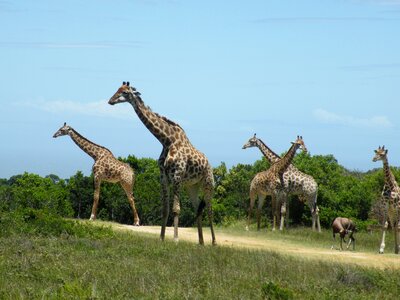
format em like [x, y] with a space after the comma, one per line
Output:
[343, 226]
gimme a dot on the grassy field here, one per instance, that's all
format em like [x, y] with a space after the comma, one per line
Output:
[104, 264]
[365, 242]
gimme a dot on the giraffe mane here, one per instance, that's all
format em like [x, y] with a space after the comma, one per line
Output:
[137, 95]
[81, 136]
[268, 147]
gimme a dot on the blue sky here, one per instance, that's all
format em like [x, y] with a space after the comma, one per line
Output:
[224, 70]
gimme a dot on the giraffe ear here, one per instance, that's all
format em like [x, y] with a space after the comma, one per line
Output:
[127, 83]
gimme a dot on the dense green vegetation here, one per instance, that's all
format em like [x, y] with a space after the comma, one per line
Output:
[44, 256]
[341, 192]
[46, 253]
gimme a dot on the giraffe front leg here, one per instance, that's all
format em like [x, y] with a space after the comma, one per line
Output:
[283, 214]
[287, 214]
[165, 201]
[384, 228]
[317, 219]
[209, 189]
[274, 206]
[258, 214]
[96, 197]
[176, 208]
[396, 238]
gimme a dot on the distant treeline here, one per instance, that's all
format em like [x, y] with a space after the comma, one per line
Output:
[341, 193]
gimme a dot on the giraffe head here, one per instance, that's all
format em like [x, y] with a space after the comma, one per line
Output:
[300, 144]
[252, 142]
[64, 130]
[125, 93]
[380, 153]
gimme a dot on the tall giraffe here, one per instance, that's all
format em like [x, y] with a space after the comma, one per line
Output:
[271, 182]
[391, 198]
[295, 182]
[180, 163]
[105, 168]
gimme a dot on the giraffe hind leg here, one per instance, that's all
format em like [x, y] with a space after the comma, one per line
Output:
[96, 197]
[128, 191]
[165, 201]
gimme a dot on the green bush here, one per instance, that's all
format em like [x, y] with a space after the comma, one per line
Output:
[44, 223]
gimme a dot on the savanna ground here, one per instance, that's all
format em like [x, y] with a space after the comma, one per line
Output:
[113, 261]
[296, 243]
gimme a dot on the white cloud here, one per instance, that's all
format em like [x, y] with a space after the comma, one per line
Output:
[332, 118]
[99, 108]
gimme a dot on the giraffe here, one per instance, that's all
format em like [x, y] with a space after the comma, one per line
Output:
[271, 181]
[180, 163]
[105, 168]
[295, 182]
[391, 198]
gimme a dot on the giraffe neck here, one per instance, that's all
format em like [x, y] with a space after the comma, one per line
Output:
[166, 131]
[281, 165]
[270, 155]
[390, 180]
[92, 149]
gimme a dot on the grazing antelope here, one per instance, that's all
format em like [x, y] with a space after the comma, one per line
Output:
[343, 226]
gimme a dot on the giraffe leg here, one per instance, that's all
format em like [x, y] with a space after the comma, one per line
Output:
[274, 205]
[384, 228]
[317, 219]
[165, 201]
[287, 213]
[283, 214]
[208, 194]
[396, 237]
[261, 199]
[96, 197]
[128, 191]
[193, 192]
[176, 208]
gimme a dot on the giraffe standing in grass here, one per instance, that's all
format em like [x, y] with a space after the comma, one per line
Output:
[105, 168]
[271, 181]
[295, 182]
[180, 163]
[391, 199]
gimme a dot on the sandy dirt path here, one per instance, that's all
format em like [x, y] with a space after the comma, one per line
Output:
[385, 261]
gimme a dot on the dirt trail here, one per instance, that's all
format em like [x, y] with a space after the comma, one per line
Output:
[385, 261]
